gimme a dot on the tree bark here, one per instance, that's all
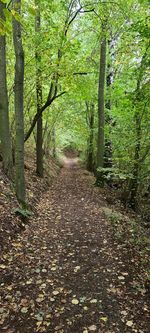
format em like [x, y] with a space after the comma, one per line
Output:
[4, 112]
[136, 166]
[108, 105]
[134, 183]
[101, 116]
[39, 136]
[38, 114]
[53, 139]
[19, 114]
[90, 148]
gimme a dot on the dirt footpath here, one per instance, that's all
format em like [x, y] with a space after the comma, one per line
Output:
[66, 273]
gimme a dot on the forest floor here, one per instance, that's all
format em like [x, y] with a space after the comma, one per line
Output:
[66, 272]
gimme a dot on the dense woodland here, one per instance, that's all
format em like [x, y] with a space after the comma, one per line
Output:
[75, 73]
[74, 166]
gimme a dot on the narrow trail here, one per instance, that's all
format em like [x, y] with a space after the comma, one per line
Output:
[70, 275]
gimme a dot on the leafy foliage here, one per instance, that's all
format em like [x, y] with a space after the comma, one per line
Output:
[68, 44]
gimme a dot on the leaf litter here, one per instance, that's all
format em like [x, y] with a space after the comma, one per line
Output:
[66, 273]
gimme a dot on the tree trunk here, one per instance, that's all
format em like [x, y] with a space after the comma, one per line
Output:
[108, 117]
[5, 138]
[133, 186]
[39, 138]
[101, 117]
[90, 150]
[53, 139]
[19, 115]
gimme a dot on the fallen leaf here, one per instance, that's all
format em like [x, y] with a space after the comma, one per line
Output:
[104, 319]
[76, 269]
[121, 277]
[39, 299]
[75, 301]
[24, 309]
[39, 317]
[93, 300]
[85, 308]
[55, 292]
[24, 302]
[53, 268]
[129, 323]
[92, 328]
[39, 323]
[124, 313]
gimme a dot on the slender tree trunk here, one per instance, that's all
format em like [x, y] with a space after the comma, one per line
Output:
[53, 139]
[101, 116]
[90, 150]
[5, 138]
[108, 117]
[133, 186]
[39, 138]
[19, 115]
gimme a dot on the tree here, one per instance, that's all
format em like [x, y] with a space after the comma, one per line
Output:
[4, 112]
[90, 146]
[65, 59]
[101, 116]
[108, 104]
[138, 115]
[71, 12]
[39, 136]
[19, 111]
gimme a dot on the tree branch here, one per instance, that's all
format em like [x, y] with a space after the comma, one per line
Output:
[82, 73]
[75, 15]
[38, 114]
[144, 155]
[54, 86]
[9, 3]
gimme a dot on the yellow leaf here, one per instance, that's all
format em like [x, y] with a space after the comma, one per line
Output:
[85, 308]
[129, 323]
[39, 323]
[75, 301]
[93, 301]
[104, 319]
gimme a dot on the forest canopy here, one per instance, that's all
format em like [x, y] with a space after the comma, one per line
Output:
[76, 74]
